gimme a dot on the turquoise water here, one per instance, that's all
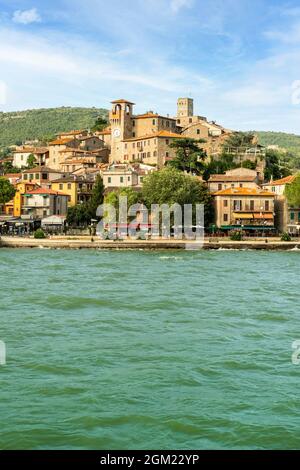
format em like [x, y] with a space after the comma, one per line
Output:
[162, 350]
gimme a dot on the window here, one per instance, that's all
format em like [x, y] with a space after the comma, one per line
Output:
[44, 176]
[167, 154]
[128, 178]
[241, 185]
[148, 154]
[251, 205]
[267, 205]
[31, 176]
[178, 121]
[61, 186]
[292, 215]
[219, 186]
[225, 203]
[21, 158]
[167, 141]
[133, 134]
[232, 185]
[125, 146]
[237, 205]
[133, 123]
[109, 179]
[154, 153]
[168, 123]
[225, 217]
[198, 131]
[133, 145]
[121, 179]
[69, 186]
[190, 120]
[141, 179]
[25, 176]
[154, 122]
[138, 144]
[133, 156]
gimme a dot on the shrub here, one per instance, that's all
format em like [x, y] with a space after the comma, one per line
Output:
[285, 237]
[39, 233]
[236, 235]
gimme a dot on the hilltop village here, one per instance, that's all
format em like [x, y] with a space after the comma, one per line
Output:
[61, 174]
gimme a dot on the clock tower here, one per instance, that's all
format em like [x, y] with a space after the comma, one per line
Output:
[121, 127]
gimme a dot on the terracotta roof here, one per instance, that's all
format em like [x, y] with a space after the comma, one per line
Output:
[46, 191]
[32, 150]
[153, 115]
[165, 134]
[12, 175]
[121, 101]
[216, 178]
[244, 192]
[42, 169]
[282, 181]
[104, 132]
[61, 141]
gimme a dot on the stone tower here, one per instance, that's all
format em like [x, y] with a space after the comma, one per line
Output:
[120, 119]
[185, 107]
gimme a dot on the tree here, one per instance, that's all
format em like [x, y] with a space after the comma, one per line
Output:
[31, 161]
[9, 168]
[97, 197]
[240, 139]
[170, 186]
[276, 166]
[189, 156]
[78, 216]
[7, 191]
[292, 192]
[133, 197]
[219, 166]
[249, 164]
[100, 124]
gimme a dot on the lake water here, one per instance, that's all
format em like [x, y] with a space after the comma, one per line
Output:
[149, 350]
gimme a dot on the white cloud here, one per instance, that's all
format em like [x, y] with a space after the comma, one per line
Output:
[26, 16]
[176, 5]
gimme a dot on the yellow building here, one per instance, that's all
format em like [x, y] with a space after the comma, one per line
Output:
[79, 188]
[18, 201]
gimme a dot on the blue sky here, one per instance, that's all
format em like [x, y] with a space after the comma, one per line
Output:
[238, 59]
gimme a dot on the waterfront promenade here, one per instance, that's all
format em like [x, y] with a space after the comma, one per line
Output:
[85, 242]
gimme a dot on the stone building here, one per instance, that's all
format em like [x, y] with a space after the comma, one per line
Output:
[287, 217]
[247, 208]
[237, 178]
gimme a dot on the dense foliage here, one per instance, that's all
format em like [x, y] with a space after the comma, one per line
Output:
[292, 192]
[289, 142]
[170, 186]
[189, 155]
[43, 124]
[7, 191]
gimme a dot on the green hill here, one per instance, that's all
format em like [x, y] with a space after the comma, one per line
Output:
[17, 127]
[289, 142]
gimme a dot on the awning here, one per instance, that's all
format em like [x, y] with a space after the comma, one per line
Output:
[243, 216]
[248, 227]
[253, 215]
